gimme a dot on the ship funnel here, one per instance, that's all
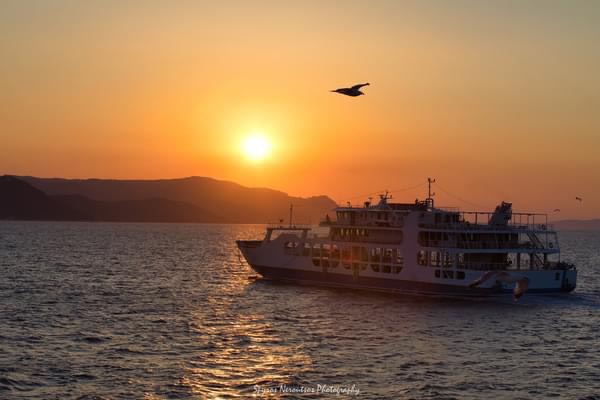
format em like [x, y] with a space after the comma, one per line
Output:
[502, 215]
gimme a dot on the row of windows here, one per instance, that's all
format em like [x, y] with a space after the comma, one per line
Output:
[449, 274]
[485, 261]
[469, 260]
[379, 215]
[364, 235]
[434, 258]
[351, 233]
[383, 268]
[485, 240]
[334, 251]
[330, 255]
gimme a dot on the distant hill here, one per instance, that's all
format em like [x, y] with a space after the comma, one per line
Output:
[577, 225]
[193, 199]
[149, 210]
[19, 200]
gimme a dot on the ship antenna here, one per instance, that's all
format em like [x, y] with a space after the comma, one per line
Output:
[291, 213]
[430, 194]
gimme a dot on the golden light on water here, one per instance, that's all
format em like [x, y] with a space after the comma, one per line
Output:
[256, 147]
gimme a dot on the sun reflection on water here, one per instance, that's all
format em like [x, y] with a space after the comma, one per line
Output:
[242, 354]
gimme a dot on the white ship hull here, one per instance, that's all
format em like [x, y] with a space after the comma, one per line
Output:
[275, 265]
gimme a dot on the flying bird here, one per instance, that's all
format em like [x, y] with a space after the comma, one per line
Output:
[353, 91]
[579, 199]
[557, 210]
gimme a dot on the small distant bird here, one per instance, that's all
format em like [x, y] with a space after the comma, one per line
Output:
[557, 210]
[353, 91]
[579, 198]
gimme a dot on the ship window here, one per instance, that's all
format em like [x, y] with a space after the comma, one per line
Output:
[345, 253]
[387, 256]
[397, 269]
[422, 257]
[435, 259]
[375, 267]
[424, 238]
[325, 250]
[448, 274]
[316, 262]
[461, 260]
[335, 252]
[364, 254]
[447, 259]
[386, 268]
[437, 273]
[399, 260]
[306, 250]
[288, 247]
[376, 254]
[460, 274]
[356, 252]
[557, 276]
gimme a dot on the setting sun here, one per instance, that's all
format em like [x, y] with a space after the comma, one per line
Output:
[256, 147]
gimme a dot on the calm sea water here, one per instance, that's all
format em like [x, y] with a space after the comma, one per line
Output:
[166, 311]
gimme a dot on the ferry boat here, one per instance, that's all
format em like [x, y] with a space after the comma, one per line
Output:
[417, 248]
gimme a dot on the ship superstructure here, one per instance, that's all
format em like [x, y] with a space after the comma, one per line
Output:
[418, 248]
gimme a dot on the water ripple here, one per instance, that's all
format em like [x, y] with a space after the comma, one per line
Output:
[165, 311]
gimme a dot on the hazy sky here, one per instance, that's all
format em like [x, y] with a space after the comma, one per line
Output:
[498, 101]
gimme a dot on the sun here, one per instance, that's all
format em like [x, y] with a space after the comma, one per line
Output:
[256, 147]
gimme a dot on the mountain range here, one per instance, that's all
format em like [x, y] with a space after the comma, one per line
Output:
[192, 199]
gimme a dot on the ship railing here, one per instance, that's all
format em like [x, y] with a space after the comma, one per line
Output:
[483, 266]
[288, 227]
[449, 209]
[490, 245]
[468, 226]
[516, 219]
[374, 223]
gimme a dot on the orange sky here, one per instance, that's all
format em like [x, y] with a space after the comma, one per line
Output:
[497, 101]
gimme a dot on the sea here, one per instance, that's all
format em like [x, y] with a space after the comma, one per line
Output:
[96, 311]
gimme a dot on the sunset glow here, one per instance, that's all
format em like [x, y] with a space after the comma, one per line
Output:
[477, 95]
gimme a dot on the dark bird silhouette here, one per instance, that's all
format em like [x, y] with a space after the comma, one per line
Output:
[353, 91]
[557, 210]
[579, 199]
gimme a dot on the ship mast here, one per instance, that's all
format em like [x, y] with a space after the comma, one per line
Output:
[430, 194]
